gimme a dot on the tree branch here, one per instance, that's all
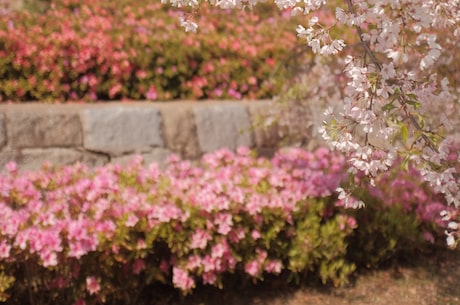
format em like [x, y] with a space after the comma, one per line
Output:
[378, 64]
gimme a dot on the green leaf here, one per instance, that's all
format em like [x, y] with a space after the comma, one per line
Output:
[388, 107]
[404, 133]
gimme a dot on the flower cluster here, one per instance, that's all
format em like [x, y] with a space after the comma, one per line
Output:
[112, 50]
[390, 92]
[82, 233]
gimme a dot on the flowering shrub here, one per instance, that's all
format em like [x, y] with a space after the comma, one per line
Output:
[402, 213]
[109, 50]
[105, 235]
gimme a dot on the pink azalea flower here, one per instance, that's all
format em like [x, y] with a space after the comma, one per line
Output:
[194, 262]
[151, 93]
[255, 234]
[138, 266]
[114, 90]
[224, 222]
[131, 221]
[254, 205]
[352, 222]
[182, 280]
[21, 239]
[209, 263]
[199, 239]
[92, 285]
[11, 167]
[428, 237]
[49, 258]
[209, 278]
[51, 240]
[76, 230]
[4, 249]
[274, 266]
[219, 250]
[236, 235]
[261, 255]
[231, 261]
[164, 266]
[243, 151]
[252, 268]
[166, 213]
[82, 247]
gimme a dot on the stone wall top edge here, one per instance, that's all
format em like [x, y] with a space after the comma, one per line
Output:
[158, 104]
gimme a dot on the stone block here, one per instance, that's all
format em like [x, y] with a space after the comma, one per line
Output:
[93, 159]
[157, 155]
[7, 156]
[179, 129]
[120, 130]
[29, 128]
[33, 158]
[265, 135]
[223, 126]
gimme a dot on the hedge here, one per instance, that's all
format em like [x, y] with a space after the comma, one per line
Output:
[121, 50]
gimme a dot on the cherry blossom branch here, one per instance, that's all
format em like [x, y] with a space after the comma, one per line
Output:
[378, 64]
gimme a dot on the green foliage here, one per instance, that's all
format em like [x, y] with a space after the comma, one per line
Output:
[6, 281]
[384, 233]
[320, 245]
[401, 217]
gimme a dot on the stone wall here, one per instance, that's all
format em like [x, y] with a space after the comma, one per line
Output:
[11, 4]
[97, 134]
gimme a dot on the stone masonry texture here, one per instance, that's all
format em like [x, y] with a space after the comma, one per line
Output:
[33, 158]
[223, 126]
[96, 134]
[265, 136]
[45, 127]
[120, 130]
[157, 155]
[179, 129]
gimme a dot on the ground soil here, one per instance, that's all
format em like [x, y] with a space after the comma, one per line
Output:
[428, 279]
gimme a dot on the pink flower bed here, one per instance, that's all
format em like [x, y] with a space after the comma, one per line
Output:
[112, 50]
[89, 236]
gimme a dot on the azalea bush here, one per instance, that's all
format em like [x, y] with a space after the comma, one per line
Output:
[402, 214]
[75, 235]
[112, 50]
